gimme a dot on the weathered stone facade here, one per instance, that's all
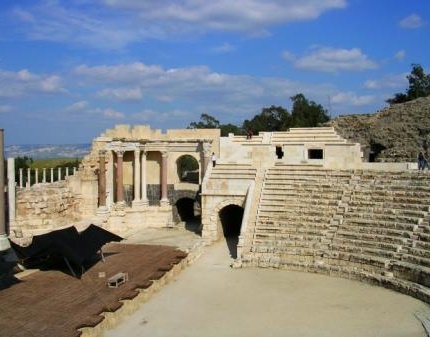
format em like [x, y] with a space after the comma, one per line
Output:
[44, 207]
[310, 202]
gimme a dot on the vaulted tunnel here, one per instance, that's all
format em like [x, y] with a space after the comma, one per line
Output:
[231, 221]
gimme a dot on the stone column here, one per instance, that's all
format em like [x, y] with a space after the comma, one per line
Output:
[102, 180]
[59, 174]
[36, 175]
[119, 177]
[164, 200]
[20, 177]
[4, 242]
[11, 192]
[44, 175]
[144, 193]
[136, 187]
[28, 184]
[52, 174]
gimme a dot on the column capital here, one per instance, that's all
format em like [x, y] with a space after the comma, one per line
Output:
[102, 153]
[119, 153]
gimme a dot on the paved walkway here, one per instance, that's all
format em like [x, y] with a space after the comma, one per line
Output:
[211, 299]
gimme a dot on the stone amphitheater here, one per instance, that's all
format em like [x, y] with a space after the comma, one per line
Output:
[366, 223]
[305, 200]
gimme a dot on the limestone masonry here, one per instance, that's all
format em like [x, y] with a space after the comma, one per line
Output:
[304, 199]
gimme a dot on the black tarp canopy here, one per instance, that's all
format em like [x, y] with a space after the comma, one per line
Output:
[74, 247]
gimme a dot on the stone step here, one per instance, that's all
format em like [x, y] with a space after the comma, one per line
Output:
[360, 222]
[411, 272]
[272, 226]
[383, 204]
[306, 248]
[369, 238]
[354, 217]
[417, 256]
[339, 247]
[292, 202]
[404, 211]
[351, 241]
[264, 222]
[384, 231]
[363, 259]
[317, 205]
[310, 236]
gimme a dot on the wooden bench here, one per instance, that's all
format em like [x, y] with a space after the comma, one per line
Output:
[116, 280]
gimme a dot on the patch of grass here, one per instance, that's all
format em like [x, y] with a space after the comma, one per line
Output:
[63, 162]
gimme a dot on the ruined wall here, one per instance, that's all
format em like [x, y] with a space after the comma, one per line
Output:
[45, 207]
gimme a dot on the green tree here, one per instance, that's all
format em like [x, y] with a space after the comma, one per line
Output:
[206, 122]
[230, 128]
[419, 86]
[22, 163]
[274, 118]
[307, 113]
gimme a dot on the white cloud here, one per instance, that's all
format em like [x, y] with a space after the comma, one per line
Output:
[111, 113]
[23, 82]
[149, 115]
[5, 108]
[125, 73]
[120, 23]
[49, 21]
[122, 94]
[388, 81]
[351, 98]
[328, 59]
[412, 21]
[225, 48]
[289, 56]
[78, 106]
[400, 55]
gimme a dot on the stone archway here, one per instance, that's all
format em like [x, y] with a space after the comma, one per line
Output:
[188, 169]
[231, 222]
[219, 217]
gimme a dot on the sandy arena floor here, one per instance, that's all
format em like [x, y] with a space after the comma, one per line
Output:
[211, 299]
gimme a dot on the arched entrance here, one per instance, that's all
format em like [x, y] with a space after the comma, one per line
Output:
[188, 169]
[186, 210]
[231, 221]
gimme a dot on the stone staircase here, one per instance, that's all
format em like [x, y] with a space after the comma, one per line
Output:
[233, 171]
[371, 226]
[307, 135]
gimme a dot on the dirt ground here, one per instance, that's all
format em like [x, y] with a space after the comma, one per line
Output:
[211, 299]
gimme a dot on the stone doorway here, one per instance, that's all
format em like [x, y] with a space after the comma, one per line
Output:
[186, 211]
[231, 221]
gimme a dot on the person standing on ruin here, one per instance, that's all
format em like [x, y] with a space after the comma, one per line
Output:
[426, 162]
[421, 161]
[213, 159]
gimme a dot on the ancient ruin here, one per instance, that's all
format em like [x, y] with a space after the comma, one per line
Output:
[304, 199]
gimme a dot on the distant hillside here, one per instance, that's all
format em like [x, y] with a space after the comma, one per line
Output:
[47, 151]
[394, 134]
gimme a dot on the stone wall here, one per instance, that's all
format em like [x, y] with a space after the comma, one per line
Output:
[45, 207]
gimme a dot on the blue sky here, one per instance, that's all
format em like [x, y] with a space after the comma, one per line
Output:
[71, 69]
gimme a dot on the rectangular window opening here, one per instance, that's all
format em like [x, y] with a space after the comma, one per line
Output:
[315, 154]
